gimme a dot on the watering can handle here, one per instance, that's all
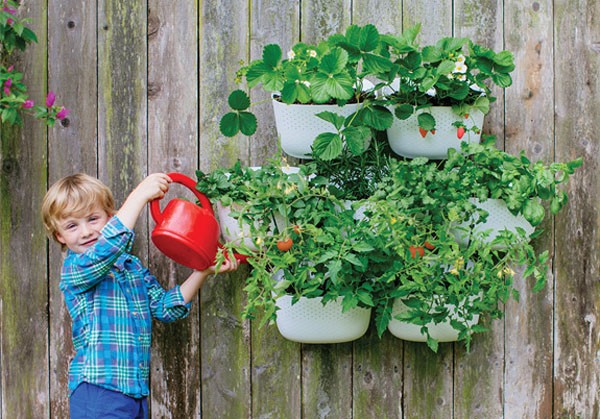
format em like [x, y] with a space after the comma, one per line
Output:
[191, 185]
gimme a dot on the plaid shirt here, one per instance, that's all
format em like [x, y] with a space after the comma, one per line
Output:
[112, 298]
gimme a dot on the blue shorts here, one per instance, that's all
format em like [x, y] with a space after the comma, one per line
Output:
[90, 401]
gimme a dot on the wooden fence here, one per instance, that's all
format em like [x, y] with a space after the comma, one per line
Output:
[147, 82]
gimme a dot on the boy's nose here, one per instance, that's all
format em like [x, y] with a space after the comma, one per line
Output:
[86, 230]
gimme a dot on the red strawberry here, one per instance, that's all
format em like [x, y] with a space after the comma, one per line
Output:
[460, 132]
[285, 245]
[466, 115]
[429, 245]
[423, 132]
[432, 132]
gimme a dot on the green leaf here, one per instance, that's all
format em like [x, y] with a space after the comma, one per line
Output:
[239, 100]
[377, 117]
[357, 139]
[376, 64]
[272, 55]
[334, 62]
[502, 80]
[533, 212]
[505, 59]
[327, 146]
[404, 111]
[247, 121]
[335, 119]
[426, 121]
[369, 38]
[432, 343]
[324, 87]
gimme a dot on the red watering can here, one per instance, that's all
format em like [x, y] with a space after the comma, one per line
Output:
[185, 232]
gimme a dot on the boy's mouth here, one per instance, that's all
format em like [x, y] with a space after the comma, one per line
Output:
[89, 242]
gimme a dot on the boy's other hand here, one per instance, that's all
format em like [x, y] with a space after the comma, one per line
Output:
[155, 186]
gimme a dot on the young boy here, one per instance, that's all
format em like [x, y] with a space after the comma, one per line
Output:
[111, 297]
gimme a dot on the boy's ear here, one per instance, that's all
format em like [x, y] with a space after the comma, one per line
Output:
[59, 238]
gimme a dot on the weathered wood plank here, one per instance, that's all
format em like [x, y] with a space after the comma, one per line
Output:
[173, 147]
[223, 44]
[327, 380]
[387, 16]
[122, 108]
[23, 260]
[378, 376]
[577, 288]
[225, 344]
[428, 378]
[72, 148]
[321, 18]
[479, 374]
[529, 127]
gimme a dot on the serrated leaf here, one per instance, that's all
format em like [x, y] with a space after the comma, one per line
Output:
[239, 100]
[335, 119]
[404, 111]
[229, 124]
[247, 123]
[327, 146]
[357, 139]
[272, 55]
[426, 121]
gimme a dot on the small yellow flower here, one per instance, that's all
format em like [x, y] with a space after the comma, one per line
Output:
[454, 271]
[258, 240]
[393, 220]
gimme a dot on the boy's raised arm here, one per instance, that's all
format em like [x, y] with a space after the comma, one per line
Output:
[152, 187]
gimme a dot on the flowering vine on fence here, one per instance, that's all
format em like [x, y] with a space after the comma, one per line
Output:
[14, 99]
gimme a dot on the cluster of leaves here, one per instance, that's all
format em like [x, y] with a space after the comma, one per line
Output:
[334, 71]
[14, 99]
[404, 247]
[411, 222]
[454, 72]
[523, 185]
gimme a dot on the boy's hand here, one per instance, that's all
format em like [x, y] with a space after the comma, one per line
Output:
[228, 266]
[153, 187]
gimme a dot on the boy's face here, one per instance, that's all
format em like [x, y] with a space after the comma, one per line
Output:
[80, 231]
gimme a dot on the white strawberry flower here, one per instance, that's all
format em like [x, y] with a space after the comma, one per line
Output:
[291, 55]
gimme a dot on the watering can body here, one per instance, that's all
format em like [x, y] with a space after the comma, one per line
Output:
[186, 232]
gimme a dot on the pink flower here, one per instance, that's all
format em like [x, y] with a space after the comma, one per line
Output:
[10, 21]
[8, 82]
[6, 91]
[10, 69]
[9, 10]
[62, 114]
[50, 99]
[28, 104]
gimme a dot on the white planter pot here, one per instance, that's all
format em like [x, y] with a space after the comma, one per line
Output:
[309, 321]
[298, 125]
[442, 332]
[406, 140]
[499, 218]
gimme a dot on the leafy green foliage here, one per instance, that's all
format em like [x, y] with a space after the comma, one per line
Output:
[14, 98]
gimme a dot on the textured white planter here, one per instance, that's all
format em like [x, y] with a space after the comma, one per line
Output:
[499, 218]
[309, 321]
[298, 125]
[443, 332]
[406, 140]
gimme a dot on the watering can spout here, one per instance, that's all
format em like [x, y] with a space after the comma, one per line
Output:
[185, 232]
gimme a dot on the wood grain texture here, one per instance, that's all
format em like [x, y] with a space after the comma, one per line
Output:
[173, 147]
[529, 127]
[23, 252]
[72, 148]
[577, 286]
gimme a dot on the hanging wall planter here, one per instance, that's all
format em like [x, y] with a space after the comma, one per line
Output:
[500, 218]
[442, 332]
[407, 140]
[311, 321]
